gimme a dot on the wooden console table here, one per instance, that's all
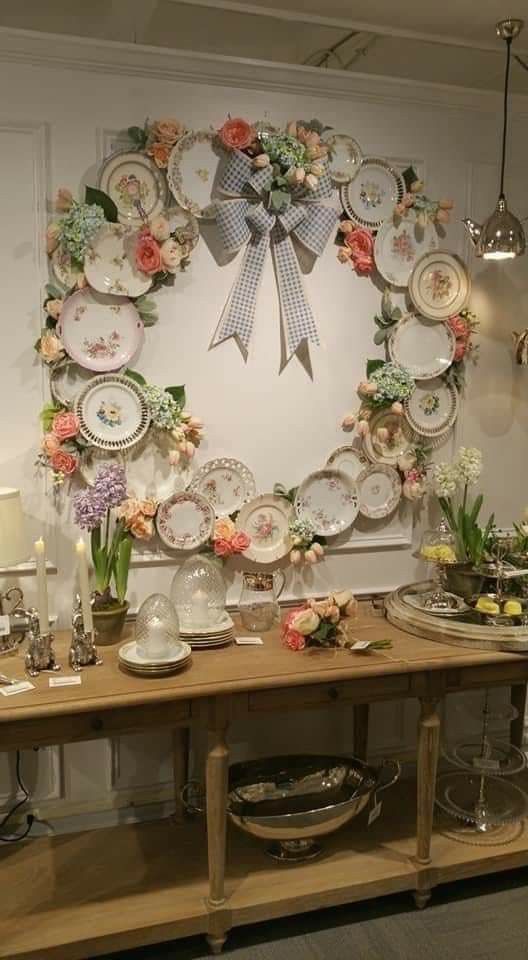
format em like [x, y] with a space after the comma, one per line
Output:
[73, 897]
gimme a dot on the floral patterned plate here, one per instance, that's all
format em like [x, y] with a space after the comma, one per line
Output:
[66, 270]
[371, 196]
[387, 449]
[344, 157]
[67, 379]
[329, 500]
[109, 264]
[149, 471]
[439, 285]
[192, 170]
[135, 184]
[425, 348]
[348, 459]
[100, 332]
[225, 483]
[266, 520]
[185, 521]
[380, 490]
[399, 245]
[112, 411]
[432, 408]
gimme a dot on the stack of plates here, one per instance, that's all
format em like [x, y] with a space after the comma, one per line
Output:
[179, 655]
[217, 635]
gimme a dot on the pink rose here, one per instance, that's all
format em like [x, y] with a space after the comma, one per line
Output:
[240, 542]
[50, 444]
[361, 245]
[236, 134]
[63, 462]
[442, 216]
[222, 547]
[294, 640]
[458, 326]
[460, 350]
[148, 256]
[65, 425]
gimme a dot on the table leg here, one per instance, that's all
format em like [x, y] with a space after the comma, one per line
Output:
[428, 747]
[216, 798]
[361, 725]
[518, 700]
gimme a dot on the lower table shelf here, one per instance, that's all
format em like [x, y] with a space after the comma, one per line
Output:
[82, 895]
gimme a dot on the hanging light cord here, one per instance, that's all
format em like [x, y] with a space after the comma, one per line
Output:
[505, 113]
[25, 797]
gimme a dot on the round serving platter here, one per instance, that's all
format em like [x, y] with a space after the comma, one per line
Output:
[112, 411]
[191, 172]
[226, 483]
[380, 491]
[185, 521]
[439, 285]
[110, 263]
[100, 332]
[344, 157]
[348, 459]
[432, 408]
[399, 440]
[266, 521]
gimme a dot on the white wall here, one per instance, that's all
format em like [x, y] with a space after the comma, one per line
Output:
[67, 102]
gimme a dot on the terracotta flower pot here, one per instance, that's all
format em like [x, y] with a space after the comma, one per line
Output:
[109, 623]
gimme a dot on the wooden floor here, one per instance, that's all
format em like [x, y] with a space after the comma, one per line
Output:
[73, 897]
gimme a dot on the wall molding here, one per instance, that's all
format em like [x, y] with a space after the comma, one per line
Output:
[32, 48]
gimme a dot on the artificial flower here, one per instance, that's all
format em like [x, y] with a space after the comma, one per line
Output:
[164, 412]
[397, 408]
[318, 549]
[53, 234]
[159, 228]
[413, 489]
[315, 151]
[65, 425]
[442, 216]
[224, 529]
[240, 542]
[305, 622]
[50, 444]
[311, 182]
[260, 161]
[79, 226]
[294, 640]
[236, 134]
[292, 129]
[363, 428]
[469, 464]
[393, 383]
[407, 461]
[110, 485]
[367, 389]
[50, 347]
[63, 462]
[445, 479]
[171, 255]
[174, 458]
[344, 254]
[222, 548]
[148, 255]
[310, 556]
[142, 528]
[64, 200]
[53, 308]
[361, 245]
[346, 226]
[160, 153]
[295, 176]
[296, 557]
[167, 131]
[349, 421]
[317, 169]
[446, 204]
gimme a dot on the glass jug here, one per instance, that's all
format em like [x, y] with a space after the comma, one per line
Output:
[259, 600]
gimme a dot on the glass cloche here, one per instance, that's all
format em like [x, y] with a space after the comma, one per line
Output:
[157, 628]
[199, 593]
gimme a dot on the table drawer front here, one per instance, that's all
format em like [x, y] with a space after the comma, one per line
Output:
[324, 694]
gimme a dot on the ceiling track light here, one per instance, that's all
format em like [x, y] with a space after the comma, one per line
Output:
[501, 236]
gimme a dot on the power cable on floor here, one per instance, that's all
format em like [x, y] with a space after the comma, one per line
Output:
[20, 803]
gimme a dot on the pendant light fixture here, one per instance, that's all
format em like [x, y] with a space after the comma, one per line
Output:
[501, 237]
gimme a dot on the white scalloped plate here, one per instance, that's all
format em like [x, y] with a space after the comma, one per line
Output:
[371, 196]
[185, 521]
[266, 520]
[226, 483]
[113, 412]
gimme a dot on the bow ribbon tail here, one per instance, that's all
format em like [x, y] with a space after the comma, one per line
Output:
[296, 312]
[238, 315]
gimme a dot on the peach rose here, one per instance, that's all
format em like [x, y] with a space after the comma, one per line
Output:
[142, 528]
[311, 182]
[50, 347]
[344, 255]
[397, 408]
[49, 444]
[363, 428]
[346, 226]
[446, 204]
[315, 151]
[171, 255]
[63, 200]
[295, 176]
[63, 462]
[148, 507]
[160, 228]
[349, 421]
[443, 216]
[317, 169]
[65, 425]
[240, 542]
[148, 256]
[160, 153]
[167, 131]
[224, 529]
[222, 548]
[53, 308]
[294, 640]
[236, 134]
[361, 245]
[53, 235]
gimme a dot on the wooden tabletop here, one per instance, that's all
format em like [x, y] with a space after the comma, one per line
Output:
[236, 669]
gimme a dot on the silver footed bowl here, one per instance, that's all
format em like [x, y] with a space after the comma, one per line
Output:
[292, 800]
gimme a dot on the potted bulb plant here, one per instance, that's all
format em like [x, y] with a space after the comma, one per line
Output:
[451, 484]
[113, 519]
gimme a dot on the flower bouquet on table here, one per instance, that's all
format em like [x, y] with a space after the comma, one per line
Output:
[324, 624]
[113, 518]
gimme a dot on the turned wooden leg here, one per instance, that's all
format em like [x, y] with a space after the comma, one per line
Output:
[518, 700]
[216, 799]
[180, 766]
[216, 943]
[428, 745]
[361, 725]
[421, 898]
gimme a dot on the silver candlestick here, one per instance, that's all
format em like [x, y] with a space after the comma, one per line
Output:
[83, 651]
[40, 656]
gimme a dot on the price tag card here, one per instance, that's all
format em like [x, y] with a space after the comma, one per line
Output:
[21, 687]
[360, 645]
[249, 641]
[65, 681]
[5, 627]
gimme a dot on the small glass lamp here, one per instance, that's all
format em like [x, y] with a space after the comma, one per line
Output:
[157, 628]
[199, 593]
[438, 547]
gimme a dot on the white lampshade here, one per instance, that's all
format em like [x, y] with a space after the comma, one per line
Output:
[13, 541]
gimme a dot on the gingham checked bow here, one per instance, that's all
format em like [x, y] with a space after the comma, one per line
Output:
[245, 220]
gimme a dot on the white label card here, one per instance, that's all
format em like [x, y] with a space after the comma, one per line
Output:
[375, 812]
[65, 681]
[360, 645]
[5, 627]
[249, 641]
[22, 687]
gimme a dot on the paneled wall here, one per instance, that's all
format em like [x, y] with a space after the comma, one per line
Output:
[68, 101]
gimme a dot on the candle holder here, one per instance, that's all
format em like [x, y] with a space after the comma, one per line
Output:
[83, 651]
[40, 656]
